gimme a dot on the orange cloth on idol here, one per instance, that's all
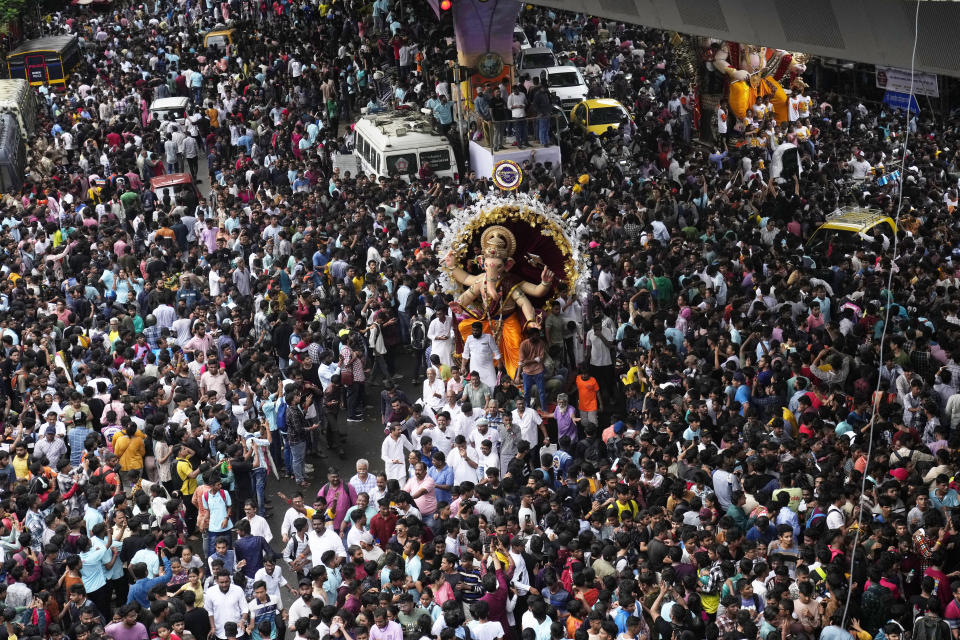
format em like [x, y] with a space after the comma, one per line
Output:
[509, 340]
[743, 96]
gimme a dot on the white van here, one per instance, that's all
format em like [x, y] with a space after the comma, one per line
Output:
[177, 106]
[519, 35]
[399, 143]
[19, 100]
[567, 84]
[531, 62]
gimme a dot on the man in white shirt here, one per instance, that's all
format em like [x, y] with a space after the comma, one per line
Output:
[296, 510]
[433, 391]
[480, 352]
[464, 419]
[324, 538]
[517, 103]
[859, 166]
[440, 334]
[489, 458]
[301, 607]
[464, 461]
[226, 602]
[599, 344]
[370, 550]
[272, 575]
[441, 434]
[527, 512]
[258, 524]
[528, 421]
[482, 431]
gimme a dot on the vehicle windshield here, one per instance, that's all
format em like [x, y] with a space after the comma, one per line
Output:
[605, 115]
[565, 79]
[538, 60]
[218, 42]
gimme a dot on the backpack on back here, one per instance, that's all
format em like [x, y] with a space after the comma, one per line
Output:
[928, 628]
[282, 416]
[418, 334]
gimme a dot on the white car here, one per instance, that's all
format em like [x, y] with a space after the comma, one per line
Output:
[567, 84]
[176, 106]
[531, 62]
[519, 35]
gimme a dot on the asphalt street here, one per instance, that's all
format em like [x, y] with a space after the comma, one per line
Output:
[363, 441]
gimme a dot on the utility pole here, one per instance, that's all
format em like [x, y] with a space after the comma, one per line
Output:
[456, 78]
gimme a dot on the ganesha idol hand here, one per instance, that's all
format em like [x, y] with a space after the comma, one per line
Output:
[455, 307]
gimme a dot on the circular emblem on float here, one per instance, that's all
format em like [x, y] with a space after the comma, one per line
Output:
[490, 64]
[402, 165]
[507, 175]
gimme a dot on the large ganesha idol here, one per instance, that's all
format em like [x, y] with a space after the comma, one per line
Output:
[756, 72]
[504, 259]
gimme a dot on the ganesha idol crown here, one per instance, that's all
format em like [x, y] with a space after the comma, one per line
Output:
[498, 242]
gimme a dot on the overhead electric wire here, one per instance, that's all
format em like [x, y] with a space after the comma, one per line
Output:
[886, 319]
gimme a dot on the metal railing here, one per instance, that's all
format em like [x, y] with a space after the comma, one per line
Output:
[498, 130]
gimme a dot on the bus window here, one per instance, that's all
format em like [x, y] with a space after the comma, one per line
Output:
[439, 159]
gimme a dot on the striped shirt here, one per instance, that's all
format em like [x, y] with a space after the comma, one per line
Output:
[474, 589]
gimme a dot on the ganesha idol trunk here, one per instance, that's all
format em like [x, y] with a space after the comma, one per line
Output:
[506, 257]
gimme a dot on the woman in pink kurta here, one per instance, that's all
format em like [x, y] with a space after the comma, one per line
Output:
[442, 591]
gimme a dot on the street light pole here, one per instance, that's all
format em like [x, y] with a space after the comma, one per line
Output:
[456, 78]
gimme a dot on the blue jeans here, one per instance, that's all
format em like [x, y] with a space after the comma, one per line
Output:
[520, 131]
[287, 456]
[259, 484]
[543, 130]
[298, 451]
[531, 381]
[403, 319]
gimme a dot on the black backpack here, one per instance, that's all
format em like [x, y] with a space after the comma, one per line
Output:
[930, 628]
[418, 334]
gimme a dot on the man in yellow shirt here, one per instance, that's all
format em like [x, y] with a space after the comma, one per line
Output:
[21, 460]
[188, 476]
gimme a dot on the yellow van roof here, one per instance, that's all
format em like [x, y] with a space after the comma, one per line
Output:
[220, 32]
[858, 220]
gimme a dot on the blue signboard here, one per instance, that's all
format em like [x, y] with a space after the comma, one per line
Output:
[899, 100]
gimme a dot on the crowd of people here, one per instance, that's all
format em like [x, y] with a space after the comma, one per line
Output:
[726, 434]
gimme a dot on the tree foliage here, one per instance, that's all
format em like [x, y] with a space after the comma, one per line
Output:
[10, 10]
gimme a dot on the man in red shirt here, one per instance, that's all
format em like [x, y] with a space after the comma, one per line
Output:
[382, 525]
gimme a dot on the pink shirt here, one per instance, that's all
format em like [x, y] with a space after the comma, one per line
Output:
[427, 503]
[393, 631]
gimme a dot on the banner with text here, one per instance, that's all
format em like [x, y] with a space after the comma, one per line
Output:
[899, 100]
[896, 79]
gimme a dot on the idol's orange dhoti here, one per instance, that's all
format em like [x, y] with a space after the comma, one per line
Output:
[743, 96]
[511, 335]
